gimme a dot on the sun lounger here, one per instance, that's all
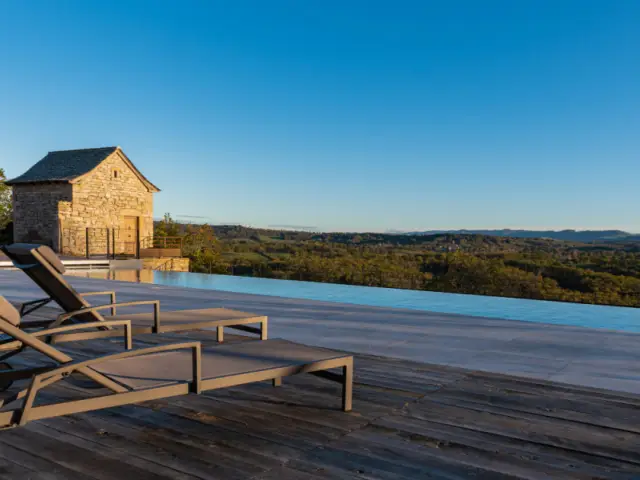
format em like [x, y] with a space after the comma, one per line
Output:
[10, 346]
[164, 371]
[44, 267]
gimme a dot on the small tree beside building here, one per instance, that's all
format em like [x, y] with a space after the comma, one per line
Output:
[6, 210]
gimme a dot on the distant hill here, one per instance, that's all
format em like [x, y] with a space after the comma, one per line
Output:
[567, 235]
[399, 237]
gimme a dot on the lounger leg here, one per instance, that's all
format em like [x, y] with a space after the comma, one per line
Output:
[277, 382]
[113, 301]
[263, 330]
[220, 331]
[347, 387]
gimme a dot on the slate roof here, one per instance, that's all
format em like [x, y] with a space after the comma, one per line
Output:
[64, 165]
[67, 165]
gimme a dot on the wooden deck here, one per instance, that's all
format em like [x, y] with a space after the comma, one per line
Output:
[409, 421]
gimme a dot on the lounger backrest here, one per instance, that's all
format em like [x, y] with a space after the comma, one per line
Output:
[44, 267]
[8, 327]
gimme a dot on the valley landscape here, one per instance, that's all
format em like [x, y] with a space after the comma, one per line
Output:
[602, 271]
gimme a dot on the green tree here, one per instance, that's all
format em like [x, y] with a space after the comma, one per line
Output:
[5, 202]
[160, 230]
[166, 227]
[173, 229]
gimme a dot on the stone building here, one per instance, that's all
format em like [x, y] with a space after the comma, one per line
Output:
[93, 197]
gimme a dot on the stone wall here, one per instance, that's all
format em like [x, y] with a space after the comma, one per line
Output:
[35, 212]
[101, 200]
[166, 264]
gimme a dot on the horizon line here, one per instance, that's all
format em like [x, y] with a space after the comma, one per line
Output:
[405, 231]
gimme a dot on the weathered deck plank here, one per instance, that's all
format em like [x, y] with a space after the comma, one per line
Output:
[409, 421]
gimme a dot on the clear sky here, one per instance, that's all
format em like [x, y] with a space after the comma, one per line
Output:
[340, 114]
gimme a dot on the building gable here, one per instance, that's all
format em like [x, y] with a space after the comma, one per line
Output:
[113, 172]
[115, 167]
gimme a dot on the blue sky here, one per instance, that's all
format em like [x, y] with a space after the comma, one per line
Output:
[341, 115]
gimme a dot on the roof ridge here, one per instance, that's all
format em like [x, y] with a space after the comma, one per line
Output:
[115, 147]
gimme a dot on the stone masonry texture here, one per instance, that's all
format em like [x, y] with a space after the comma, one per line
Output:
[59, 214]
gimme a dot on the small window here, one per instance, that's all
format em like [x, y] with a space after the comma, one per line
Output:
[115, 174]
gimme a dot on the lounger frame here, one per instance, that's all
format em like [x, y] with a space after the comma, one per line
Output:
[121, 395]
[158, 327]
[92, 313]
[318, 369]
[33, 305]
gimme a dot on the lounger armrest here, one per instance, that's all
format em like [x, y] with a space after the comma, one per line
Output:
[156, 311]
[112, 297]
[50, 377]
[106, 292]
[46, 332]
[81, 326]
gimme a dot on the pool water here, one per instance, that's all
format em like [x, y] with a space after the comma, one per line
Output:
[595, 316]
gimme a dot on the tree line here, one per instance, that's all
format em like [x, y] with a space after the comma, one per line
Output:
[544, 269]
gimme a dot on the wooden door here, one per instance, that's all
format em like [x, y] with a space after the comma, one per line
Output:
[130, 235]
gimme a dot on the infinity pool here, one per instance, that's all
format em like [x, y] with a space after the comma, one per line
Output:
[596, 316]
